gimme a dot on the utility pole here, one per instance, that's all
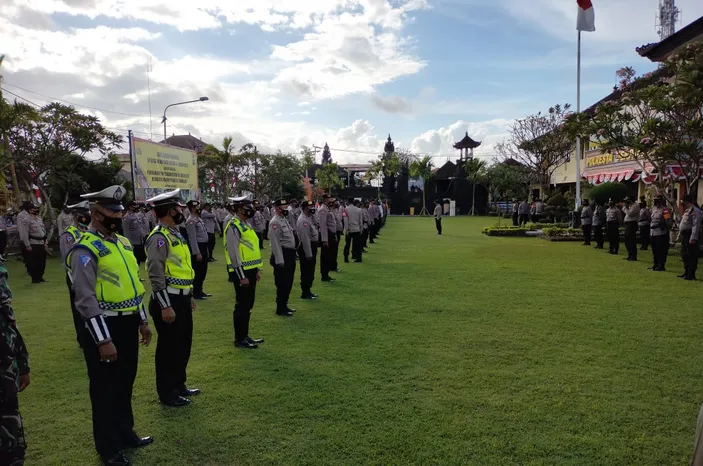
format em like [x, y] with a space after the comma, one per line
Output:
[256, 173]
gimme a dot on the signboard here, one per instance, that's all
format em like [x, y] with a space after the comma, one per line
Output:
[603, 159]
[452, 208]
[159, 168]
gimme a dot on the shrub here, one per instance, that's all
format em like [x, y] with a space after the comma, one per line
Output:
[603, 192]
[557, 200]
[562, 234]
[544, 224]
[505, 231]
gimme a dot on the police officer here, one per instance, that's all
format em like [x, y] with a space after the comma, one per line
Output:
[266, 211]
[643, 223]
[197, 237]
[244, 264]
[328, 236]
[171, 305]
[438, 217]
[307, 250]
[34, 237]
[212, 227]
[148, 221]
[586, 222]
[14, 378]
[659, 230]
[109, 298]
[599, 219]
[339, 225]
[65, 219]
[632, 216]
[353, 220]
[282, 256]
[133, 229]
[81, 222]
[689, 229]
[613, 216]
[22, 231]
[258, 223]
[366, 223]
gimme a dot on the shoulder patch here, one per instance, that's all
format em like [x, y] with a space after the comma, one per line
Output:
[85, 259]
[305, 224]
[160, 242]
[274, 225]
[70, 239]
[191, 222]
[102, 249]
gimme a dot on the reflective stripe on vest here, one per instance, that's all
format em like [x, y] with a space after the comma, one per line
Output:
[249, 251]
[117, 287]
[179, 269]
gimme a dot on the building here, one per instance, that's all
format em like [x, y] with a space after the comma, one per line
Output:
[598, 167]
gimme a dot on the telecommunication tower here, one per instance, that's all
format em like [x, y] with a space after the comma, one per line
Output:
[668, 16]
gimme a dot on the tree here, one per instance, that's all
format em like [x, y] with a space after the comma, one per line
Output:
[508, 181]
[45, 140]
[326, 155]
[422, 169]
[307, 159]
[280, 176]
[76, 175]
[224, 167]
[540, 143]
[475, 173]
[328, 178]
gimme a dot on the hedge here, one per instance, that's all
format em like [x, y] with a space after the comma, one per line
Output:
[505, 231]
[562, 234]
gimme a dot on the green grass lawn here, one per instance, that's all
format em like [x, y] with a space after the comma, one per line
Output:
[454, 349]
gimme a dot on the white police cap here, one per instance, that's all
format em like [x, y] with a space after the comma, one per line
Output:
[241, 200]
[84, 205]
[168, 198]
[110, 198]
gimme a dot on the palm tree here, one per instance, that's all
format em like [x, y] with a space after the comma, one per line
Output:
[422, 169]
[223, 163]
[475, 173]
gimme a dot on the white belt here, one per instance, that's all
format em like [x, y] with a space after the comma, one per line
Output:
[119, 314]
[177, 291]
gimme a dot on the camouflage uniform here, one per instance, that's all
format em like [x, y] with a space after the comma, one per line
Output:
[14, 362]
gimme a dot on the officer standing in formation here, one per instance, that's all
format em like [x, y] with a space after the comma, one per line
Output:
[353, 221]
[67, 239]
[283, 256]
[33, 236]
[586, 222]
[632, 217]
[307, 250]
[599, 219]
[197, 238]
[268, 215]
[613, 216]
[244, 264]
[328, 236]
[212, 227]
[109, 298]
[258, 223]
[133, 229]
[65, 219]
[172, 304]
[689, 231]
[659, 229]
[644, 222]
[366, 222]
[14, 378]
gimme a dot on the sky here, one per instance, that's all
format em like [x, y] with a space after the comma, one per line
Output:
[282, 74]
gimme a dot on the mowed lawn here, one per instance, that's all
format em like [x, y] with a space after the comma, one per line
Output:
[454, 349]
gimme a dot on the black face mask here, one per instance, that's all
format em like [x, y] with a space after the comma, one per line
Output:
[83, 220]
[178, 217]
[285, 212]
[249, 212]
[34, 212]
[110, 224]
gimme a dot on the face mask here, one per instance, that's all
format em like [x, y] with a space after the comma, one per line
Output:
[178, 217]
[249, 212]
[110, 224]
[83, 220]
[34, 212]
[285, 213]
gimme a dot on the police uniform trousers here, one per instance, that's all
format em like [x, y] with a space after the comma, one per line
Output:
[244, 297]
[365, 237]
[139, 253]
[613, 237]
[284, 277]
[3, 241]
[173, 345]
[586, 233]
[631, 239]
[266, 231]
[36, 262]
[335, 255]
[515, 219]
[644, 237]
[598, 234]
[200, 269]
[307, 269]
[327, 255]
[524, 218]
[689, 254]
[111, 384]
[352, 241]
[438, 225]
[78, 321]
[660, 250]
[210, 245]
[260, 235]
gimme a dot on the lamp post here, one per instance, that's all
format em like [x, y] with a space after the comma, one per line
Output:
[202, 99]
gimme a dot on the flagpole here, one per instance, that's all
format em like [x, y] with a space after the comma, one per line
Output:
[578, 110]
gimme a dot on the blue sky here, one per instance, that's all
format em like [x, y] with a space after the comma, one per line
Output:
[283, 74]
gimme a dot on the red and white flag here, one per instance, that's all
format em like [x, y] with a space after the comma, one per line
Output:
[586, 19]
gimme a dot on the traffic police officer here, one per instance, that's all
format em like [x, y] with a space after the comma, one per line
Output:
[109, 298]
[282, 257]
[689, 229]
[307, 250]
[197, 237]
[171, 305]
[34, 237]
[81, 222]
[244, 264]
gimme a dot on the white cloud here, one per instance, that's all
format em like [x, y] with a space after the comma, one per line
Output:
[441, 141]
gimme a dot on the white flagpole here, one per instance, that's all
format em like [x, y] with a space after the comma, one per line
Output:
[578, 110]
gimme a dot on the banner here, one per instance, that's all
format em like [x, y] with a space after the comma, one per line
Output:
[159, 168]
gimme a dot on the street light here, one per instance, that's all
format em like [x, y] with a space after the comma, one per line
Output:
[202, 99]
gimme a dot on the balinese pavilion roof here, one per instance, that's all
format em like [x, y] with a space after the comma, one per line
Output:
[467, 143]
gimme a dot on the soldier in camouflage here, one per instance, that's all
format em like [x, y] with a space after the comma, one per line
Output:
[14, 377]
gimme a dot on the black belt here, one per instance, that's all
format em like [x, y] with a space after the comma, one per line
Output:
[38, 238]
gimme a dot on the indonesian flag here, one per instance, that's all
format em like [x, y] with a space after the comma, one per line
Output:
[586, 19]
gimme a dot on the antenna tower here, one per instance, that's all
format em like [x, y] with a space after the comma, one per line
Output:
[667, 18]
